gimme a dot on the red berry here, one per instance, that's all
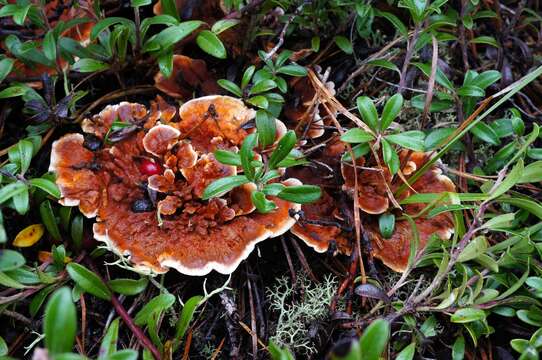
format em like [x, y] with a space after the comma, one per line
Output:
[148, 167]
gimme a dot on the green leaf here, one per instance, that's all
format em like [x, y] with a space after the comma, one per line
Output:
[221, 186]
[532, 173]
[344, 44]
[486, 40]
[278, 353]
[386, 64]
[368, 112]
[407, 353]
[49, 45]
[211, 44]
[46, 185]
[13, 91]
[10, 190]
[247, 155]
[284, 146]
[390, 157]
[356, 136]
[440, 76]
[471, 91]
[499, 221]
[169, 8]
[391, 110]
[413, 140]
[511, 179]
[267, 128]
[485, 133]
[374, 339]
[60, 322]
[139, 3]
[293, 70]
[467, 315]
[386, 224]
[172, 35]
[396, 22]
[49, 220]
[128, 287]
[230, 86]
[227, 157]
[247, 75]
[3, 347]
[126, 354]
[258, 101]
[301, 194]
[10, 260]
[88, 281]
[157, 304]
[474, 248]
[458, 349]
[76, 231]
[223, 25]
[109, 342]
[486, 78]
[21, 154]
[89, 65]
[106, 23]
[262, 204]
[21, 201]
[273, 189]
[262, 86]
[5, 68]
[186, 317]
[7, 281]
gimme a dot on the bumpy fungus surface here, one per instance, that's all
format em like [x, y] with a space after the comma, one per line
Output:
[373, 200]
[160, 221]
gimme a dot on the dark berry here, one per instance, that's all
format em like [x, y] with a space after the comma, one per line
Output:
[92, 142]
[142, 205]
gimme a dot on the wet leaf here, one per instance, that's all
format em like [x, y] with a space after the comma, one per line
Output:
[88, 281]
[211, 44]
[128, 287]
[49, 220]
[157, 304]
[60, 322]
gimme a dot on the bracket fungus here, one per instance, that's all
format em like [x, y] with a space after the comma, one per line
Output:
[154, 215]
[373, 200]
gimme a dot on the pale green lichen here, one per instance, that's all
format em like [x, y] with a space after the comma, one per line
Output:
[296, 316]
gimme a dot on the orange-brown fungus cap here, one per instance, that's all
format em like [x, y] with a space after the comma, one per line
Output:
[159, 221]
[394, 251]
[372, 195]
[206, 170]
[214, 122]
[160, 139]
[188, 77]
[316, 227]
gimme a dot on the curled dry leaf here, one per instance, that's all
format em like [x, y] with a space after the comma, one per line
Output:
[177, 229]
